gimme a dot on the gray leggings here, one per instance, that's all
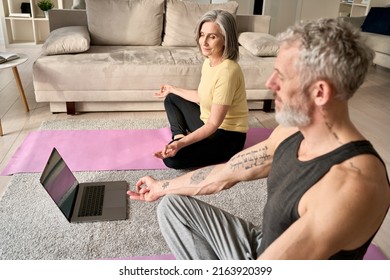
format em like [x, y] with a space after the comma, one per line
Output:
[196, 230]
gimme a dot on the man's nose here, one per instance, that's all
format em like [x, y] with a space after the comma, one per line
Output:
[271, 82]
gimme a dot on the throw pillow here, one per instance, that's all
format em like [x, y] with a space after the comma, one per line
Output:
[377, 21]
[125, 22]
[182, 17]
[70, 39]
[78, 4]
[259, 44]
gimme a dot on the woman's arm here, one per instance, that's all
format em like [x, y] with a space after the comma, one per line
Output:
[218, 113]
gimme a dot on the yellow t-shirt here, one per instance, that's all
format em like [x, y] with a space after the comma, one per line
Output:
[224, 84]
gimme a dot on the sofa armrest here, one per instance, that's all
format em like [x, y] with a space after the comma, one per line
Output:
[355, 21]
[253, 23]
[66, 17]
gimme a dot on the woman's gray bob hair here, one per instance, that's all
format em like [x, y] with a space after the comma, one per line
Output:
[228, 27]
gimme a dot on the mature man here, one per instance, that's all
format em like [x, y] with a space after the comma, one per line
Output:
[328, 190]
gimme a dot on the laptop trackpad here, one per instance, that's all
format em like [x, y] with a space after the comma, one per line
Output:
[114, 198]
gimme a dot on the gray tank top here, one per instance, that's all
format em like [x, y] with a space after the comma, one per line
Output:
[290, 178]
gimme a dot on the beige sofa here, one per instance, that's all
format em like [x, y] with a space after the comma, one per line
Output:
[114, 57]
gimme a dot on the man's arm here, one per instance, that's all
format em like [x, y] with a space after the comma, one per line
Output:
[340, 212]
[249, 164]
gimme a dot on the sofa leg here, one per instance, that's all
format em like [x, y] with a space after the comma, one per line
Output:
[267, 106]
[71, 108]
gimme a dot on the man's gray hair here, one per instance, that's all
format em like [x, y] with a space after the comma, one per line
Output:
[331, 50]
[228, 27]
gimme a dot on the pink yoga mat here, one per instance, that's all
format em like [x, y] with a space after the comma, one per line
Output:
[93, 150]
[373, 253]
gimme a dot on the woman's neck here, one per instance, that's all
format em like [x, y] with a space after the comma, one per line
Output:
[214, 61]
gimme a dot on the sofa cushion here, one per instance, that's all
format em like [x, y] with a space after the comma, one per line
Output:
[259, 44]
[377, 21]
[125, 22]
[182, 17]
[70, 39]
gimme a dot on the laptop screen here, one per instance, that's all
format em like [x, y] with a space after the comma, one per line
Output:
[60, 183]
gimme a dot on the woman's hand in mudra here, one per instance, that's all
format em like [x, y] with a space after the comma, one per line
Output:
[170, 150]
[164, 91]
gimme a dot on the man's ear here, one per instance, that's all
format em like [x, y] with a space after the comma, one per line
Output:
[321, 92]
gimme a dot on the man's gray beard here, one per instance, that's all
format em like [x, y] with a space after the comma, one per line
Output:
[292, 117]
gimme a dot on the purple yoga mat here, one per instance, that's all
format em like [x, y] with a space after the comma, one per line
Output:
[94, 150]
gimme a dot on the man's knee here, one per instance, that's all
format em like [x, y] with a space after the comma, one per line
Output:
[166, 205]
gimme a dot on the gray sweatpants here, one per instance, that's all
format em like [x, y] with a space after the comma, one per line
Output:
[196, 230]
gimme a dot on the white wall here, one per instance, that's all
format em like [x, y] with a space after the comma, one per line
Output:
[282, 12]
[2, 42]
[245, 7]
[287, 12]
[313, 9]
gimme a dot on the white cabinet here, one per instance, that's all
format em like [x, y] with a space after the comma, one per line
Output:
[358, 8]
[26, 28]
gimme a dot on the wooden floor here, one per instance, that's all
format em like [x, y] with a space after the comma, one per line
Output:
[369, 109]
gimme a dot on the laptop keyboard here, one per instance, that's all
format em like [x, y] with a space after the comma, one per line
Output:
[92, 201]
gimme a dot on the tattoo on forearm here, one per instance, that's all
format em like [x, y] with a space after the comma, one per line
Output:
[165, 185]
[200, 174]
[250, 159]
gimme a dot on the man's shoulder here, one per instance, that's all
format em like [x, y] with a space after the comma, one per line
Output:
[281, 133]
[278, 135]
[361, 171]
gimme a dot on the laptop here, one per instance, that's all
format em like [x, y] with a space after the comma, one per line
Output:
[83, 202]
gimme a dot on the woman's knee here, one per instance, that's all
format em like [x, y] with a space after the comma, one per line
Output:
[171, 98]
[173, 163]
[168, 100]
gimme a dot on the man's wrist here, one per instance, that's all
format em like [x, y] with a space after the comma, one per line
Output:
[164, 186]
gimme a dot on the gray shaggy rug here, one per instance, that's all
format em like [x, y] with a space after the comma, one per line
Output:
[32, 227]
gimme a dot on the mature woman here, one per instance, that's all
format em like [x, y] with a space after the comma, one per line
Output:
[208, 125]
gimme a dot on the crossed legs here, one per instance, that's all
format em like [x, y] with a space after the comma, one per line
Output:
[194, 229]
